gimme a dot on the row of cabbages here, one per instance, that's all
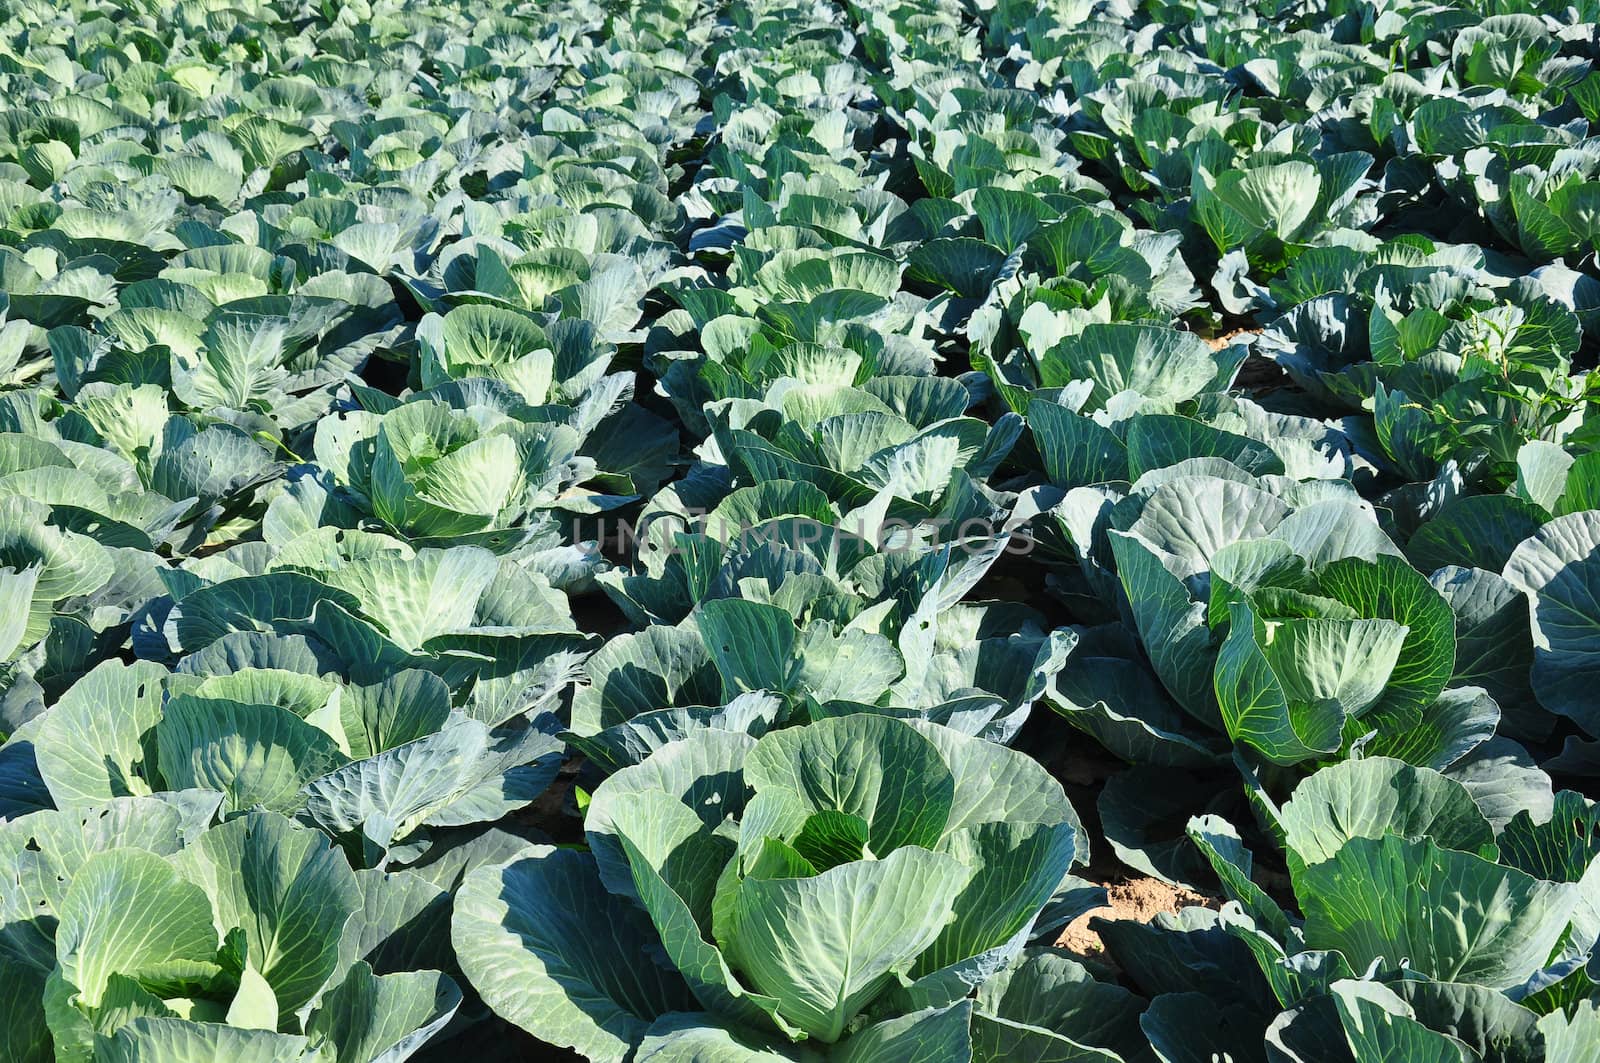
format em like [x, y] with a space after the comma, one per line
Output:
[283, 646]
[424, 426]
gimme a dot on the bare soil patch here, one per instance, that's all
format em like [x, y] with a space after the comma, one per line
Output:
[1141, 899]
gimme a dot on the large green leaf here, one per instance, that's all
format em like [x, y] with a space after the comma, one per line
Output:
[1478, 531]
[1274, 198]
[1572, 1038]
[1159, 441]
[288, 891]
[45, 850]
[643, 671]
[1162, 364]
[129, 912]
[1286, 688]
[1375, 797]
[751, 643]
[539, 939]
[932, 1035]
[165, 1040]
[994, 784]
[1048, 1006]
[1483, 1019]
[416, 598]
[97, 742]
[826, 945]
[1458, 721]
[369, 1017]
[1389, 588]
[702, 775]
[1172, 626]
[388, 796]
[403, 707]
[1016, 868]
[1379, 1025]
[257, 755]
[1453, 916]
[1558, 568]
[702, 965]
[874, 767]
[699, 1038]
[251, 603]
[24, 1035]
[1076, 450]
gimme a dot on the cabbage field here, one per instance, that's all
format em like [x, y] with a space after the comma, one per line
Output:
[725, 531]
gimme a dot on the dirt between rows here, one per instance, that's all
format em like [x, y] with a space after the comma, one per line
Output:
[1135, 898]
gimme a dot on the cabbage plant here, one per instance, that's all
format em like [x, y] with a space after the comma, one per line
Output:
[842, 886]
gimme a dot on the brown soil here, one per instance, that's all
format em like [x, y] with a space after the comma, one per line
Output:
[1141, 899]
